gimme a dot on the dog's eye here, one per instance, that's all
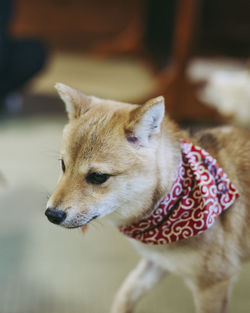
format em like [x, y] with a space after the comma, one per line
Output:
[63, 166]
[97, 178]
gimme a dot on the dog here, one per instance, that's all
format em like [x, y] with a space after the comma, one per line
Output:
[120, 161]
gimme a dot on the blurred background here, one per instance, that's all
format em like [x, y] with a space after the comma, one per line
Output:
[194, 52]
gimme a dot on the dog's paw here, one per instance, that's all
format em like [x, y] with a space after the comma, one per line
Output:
[121, 308]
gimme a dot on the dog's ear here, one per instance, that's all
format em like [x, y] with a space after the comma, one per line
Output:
[76, 102]
[145, 121]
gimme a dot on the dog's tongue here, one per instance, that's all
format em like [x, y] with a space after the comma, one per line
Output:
[84, 228]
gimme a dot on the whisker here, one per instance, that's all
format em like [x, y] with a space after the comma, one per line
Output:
[96, 225]
[46, 193]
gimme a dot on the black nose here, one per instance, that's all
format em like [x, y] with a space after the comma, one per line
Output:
[55, 216]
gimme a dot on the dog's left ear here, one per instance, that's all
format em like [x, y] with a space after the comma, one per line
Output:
[145, 121]
[76, 102]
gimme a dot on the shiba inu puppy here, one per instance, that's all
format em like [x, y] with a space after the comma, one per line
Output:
[122, 160]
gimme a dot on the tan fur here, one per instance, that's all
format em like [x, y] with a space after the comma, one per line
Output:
[123, 140]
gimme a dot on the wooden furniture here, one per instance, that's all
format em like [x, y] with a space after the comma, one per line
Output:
[180, 94]
[72, 24]
[78, 24]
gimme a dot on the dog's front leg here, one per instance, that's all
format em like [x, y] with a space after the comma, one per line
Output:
[213, 298]
[138, 282]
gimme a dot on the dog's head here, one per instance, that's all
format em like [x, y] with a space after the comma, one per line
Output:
[108, 159]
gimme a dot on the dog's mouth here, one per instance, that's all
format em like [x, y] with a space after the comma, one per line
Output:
[82, 225]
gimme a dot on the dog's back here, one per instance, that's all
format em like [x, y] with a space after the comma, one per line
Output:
[231, 148]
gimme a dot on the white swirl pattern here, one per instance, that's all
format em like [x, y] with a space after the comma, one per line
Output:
[199, 194]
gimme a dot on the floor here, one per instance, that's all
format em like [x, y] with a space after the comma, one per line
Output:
[46, 269]
[124, 79]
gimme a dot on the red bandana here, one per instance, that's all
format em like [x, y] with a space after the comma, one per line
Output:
[199, 194]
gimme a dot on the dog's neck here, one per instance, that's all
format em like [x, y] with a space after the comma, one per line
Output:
[167, 159]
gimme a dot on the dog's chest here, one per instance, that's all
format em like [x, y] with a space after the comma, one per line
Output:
[183, 261]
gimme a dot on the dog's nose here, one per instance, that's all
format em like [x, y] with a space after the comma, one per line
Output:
[55, 216]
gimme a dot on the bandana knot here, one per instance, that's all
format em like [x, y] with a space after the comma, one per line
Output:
[200, 193]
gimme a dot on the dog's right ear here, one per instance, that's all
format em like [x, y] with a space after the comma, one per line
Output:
[76, 102]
